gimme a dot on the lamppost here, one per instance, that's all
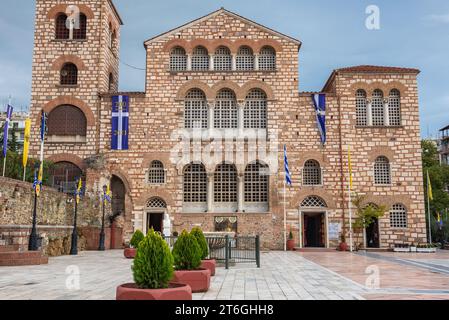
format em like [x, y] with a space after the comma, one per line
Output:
[74, 246]
[32, 242]
[101, 245]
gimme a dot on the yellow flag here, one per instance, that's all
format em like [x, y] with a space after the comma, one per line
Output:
[41, 172]
[78, 190]
[26, 142]
[429, 187]
[350, 167]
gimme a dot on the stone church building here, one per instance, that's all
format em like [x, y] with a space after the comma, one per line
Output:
[206, 137]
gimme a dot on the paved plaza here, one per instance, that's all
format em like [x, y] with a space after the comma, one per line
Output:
[291, 275]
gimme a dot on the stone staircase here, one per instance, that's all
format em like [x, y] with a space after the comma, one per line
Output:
[11, 255]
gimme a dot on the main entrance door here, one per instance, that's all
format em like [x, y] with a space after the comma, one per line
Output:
[372, 235]
[313, 230]
[155, 221]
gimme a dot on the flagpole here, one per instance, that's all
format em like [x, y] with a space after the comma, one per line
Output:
[428, 208]
[285, 221]
[6, 153]
[350, 219]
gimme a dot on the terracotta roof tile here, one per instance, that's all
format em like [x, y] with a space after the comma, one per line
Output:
[377, 69]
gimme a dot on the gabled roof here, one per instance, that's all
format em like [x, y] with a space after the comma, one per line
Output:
[369, 69]
[215, 13]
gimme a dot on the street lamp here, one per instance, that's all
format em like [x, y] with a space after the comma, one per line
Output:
[101, 245]
[74, 245]
[32, 242]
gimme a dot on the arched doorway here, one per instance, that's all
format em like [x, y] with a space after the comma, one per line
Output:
[372, 231]
[156, 216]
[314, 222]
[118, 196]
[64, 176]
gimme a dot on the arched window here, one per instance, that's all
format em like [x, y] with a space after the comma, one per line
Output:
[222, 59]
[256, 182]
[200, 59]
[377, 108]
[178, 59]
[382, 170]
[69, 74]
[245, 59]
[225, 183]
[225, 111]
[255, 112]
[360, 108]
[312, 173]
[398, 216]
[394, 108]
[313, 202]
[156, 203]
[267, 59]
[81, 32]
[111, 82]
[195, 183]
[64, 176]
[195, 110]
[156, 174]
[67, 120]
[61, 30]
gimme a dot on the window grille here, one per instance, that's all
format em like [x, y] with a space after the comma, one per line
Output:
[156, 203]
[200, 59]
[156, 174]
[382, 171]
[195, 110]
[81, 33]
[178, 59]
[256, 182]
[225, 183]
[61, 32]
[398, 216]
[195, 183]
[267, 59]
[313, 202]
[222, 59]
[69, 74]
[377, 108]
[255, 112]
[245, 59]
[67, 120]
[312, 173]
[225, 111]
[394, 108]
[361, 108]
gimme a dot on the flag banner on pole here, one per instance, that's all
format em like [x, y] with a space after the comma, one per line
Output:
[319, 101]
[108, 195]
[288, 178]
[429, 187]
[120, 123]
[26, 142]
[78, 190]
[5, 130]
[44, 118]
[350, 168]
[37, 184]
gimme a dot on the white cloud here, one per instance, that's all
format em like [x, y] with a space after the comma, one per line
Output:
[439, 18]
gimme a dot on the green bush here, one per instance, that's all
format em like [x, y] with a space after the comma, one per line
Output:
[199, 235]
[186, 252]
[153, 263]
[136, 238]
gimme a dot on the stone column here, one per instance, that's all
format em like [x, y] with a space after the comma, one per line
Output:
[386, 113]
[240, 191]
[210, 192]
[234, 62]
[240, 115]
[189, 62]
[369, 115]
[211, 62]
[256, 62]
[210, 120]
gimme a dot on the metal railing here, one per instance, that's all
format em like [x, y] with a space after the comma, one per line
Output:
[230, 250]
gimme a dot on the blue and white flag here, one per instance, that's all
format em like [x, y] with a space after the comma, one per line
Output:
[120, 122]
[319, 101]
[288, 178]
[5, 130]
[44, 128]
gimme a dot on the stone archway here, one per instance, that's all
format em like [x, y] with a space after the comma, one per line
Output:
[118, 190]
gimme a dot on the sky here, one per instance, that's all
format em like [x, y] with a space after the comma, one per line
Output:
[412, 33]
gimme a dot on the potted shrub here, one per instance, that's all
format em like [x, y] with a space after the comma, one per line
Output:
[413, 247]
[290, 241]
[152, 271]
[187, 259]
[343, 246]
[401, 247]
[134, 243]
[205, 263]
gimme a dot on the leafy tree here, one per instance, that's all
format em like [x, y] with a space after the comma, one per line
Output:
[186, 252]
[199, 235]
[153, 264]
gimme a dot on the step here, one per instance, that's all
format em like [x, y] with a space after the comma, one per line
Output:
[9, 248]
[22, 258]
[24, 262]
[315, 249]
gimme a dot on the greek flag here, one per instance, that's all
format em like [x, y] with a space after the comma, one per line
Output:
[120, 122]
[319, 101]
[5, 130]
[288, 178]
[44, 128]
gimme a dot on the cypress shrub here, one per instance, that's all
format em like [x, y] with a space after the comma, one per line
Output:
[136, 238]
[186, 252]
[199, 235]
[153, 264]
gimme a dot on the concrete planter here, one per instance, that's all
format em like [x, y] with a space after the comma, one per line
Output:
[426, 250]
[209, 264]
[175, 291]
[198, 280]
[290, 244]
[129, 253]
[401, 249]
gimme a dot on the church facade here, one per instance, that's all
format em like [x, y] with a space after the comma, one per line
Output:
[205, 140]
